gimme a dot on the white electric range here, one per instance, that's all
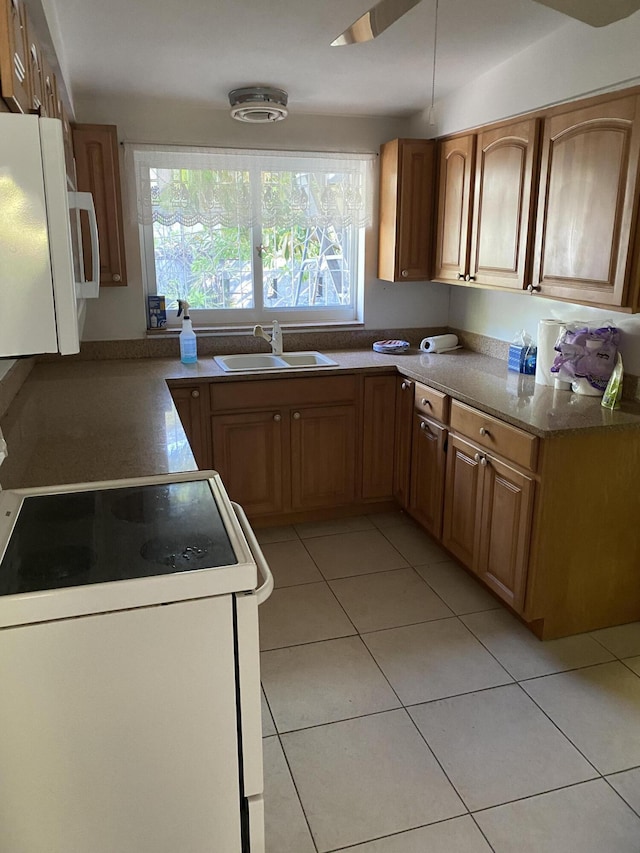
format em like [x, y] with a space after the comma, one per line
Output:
[129, 669]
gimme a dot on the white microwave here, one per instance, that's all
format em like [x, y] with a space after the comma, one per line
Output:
[42, 281]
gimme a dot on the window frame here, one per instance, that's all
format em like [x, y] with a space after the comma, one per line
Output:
[255, 162]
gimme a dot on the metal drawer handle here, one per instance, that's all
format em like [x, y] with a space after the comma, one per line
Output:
[485, 432]
[263, 592]
[423, 425]
[425, 402]
[481, 459]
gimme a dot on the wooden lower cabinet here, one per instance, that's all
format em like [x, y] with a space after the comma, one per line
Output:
[188, 401]
[427, 473]
[461, 500]
[403, 437]
[378, 435]
[248, 453]
[505, 527]
[487, 518]
[323, 451]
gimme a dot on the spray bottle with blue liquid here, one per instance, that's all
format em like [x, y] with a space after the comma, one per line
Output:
[188, 343]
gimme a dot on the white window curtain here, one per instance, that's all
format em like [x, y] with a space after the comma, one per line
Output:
[308, 189]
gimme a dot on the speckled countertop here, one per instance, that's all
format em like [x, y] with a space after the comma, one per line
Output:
[95, 420]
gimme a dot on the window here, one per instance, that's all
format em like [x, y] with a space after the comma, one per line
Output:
[249, 237]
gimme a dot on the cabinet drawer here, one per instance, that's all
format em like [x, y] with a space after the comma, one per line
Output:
[271, 393]
[432, 403]
[508, 441]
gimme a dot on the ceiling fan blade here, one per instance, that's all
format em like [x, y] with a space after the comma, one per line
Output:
[596, 13]
[375, 21]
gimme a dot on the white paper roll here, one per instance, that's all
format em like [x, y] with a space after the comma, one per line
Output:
[439, 343]
[548, 333]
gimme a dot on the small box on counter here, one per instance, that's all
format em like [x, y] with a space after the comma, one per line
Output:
[156, 312]
[522, 359]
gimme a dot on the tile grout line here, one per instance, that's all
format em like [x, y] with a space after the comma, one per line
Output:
[295, 787]
[606, 779]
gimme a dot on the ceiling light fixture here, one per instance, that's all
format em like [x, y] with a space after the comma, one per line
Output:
[432, 113]
[259, 104]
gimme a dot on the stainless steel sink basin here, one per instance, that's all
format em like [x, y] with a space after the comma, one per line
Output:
[265, 361]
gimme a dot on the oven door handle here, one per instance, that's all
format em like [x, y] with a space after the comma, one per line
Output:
[263, 592]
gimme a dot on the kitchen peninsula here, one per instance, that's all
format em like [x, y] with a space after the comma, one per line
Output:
[524, 475]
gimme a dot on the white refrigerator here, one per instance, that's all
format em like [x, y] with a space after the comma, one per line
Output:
[42, 283]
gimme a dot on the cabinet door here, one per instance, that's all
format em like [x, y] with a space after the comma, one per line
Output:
[35, 72]
[247, 453]
[462, 500]
[427, 473]
[378, 433]
[323, 450]
[402, 449]
[454, 208]
[588, 177]
[14, 62]
[97, 164]
[49, 90]
[507, 499]
[188, 402]
[407, 169]
[503, 205]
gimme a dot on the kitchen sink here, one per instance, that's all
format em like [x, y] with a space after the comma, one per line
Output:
[265, 361]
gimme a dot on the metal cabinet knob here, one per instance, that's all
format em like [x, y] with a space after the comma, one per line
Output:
[476, 458]
[485, 432]
[405, 386]
[195, 393]
[404, 273]
[117, 277]
[296, 416]
[423, 425]
[425, 402]
[480, 459]
[484, 461]
[534, 288]
[470, 278]
[460, 276]
[277, 418]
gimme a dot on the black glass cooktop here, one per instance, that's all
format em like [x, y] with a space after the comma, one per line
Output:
[114, 534]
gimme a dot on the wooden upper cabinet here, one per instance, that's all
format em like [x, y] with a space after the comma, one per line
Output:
[14, 57]
[503, 206]
[406, 209]
[98, 171]
[38, 101]
[455, 173]
[51, 106]
[586, 216]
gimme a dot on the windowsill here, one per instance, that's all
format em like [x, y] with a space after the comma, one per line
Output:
[231, 331]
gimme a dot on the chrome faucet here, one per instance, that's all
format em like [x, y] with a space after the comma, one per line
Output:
[275, 338]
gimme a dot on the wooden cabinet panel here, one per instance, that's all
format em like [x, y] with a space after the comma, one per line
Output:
[505, 525]
[456, 162]
[379, 419]
[323, 456]
[403, 437]
[432, 403]
[503, 204]
[98, 171]
[49, 90]
[248, 454]
[492, 434]
[427, 473]
[35, 72]
[462, 500]
[589, 172]
[14, 57]
[406, 209]
[266, 393]
[188, 401]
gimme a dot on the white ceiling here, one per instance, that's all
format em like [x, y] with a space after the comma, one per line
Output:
[200, 49]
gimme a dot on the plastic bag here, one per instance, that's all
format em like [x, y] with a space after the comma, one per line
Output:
[585, 353]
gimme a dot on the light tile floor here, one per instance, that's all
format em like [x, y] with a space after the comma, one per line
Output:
[406, 711]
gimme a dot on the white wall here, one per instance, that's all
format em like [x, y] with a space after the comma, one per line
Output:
[574, 61]
[120, 313]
